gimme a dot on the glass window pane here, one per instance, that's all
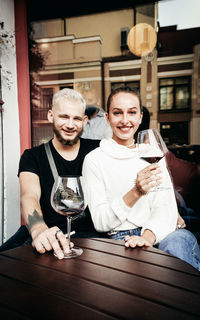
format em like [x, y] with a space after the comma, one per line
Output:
[41, 133]
[40, 126]
[134, 85]
[166, 98]
[182, 80]
[175, 132]
[166, 82]
[182, 98]
[116, 85]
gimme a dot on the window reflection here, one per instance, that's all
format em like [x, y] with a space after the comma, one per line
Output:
[175, 93]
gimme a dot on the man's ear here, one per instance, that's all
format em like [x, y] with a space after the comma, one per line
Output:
[50, 116]
[85, 120]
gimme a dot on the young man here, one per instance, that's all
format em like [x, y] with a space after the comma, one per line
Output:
[36, 180]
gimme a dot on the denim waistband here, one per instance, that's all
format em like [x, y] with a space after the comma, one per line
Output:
[120, 235]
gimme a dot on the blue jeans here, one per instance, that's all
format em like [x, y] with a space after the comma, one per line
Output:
[181, 243]
[120, 235]
[18, 239]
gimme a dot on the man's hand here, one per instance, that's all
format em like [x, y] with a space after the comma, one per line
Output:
[47, 239]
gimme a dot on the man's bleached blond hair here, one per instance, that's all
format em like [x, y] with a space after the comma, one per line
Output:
[70, 95]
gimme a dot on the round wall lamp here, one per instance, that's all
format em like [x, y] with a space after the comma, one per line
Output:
[142, 39]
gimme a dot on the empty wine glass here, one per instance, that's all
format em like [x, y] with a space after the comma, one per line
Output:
[67, 199]
[152, 149]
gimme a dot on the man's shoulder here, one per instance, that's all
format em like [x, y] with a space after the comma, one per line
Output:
[32, 160]
[36, 150]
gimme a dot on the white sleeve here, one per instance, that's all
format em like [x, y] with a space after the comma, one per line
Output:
[164, 211]
[106, 215]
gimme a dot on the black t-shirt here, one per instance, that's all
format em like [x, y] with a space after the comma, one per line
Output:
[35, 160]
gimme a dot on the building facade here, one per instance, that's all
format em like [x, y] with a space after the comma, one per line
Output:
[93, 58]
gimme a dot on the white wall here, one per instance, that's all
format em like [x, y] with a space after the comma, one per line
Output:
[11, 139]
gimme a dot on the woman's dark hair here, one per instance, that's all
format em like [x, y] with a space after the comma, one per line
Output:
[123, 89]
[145, 124]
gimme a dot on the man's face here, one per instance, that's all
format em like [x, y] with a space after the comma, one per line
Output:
[68, 121]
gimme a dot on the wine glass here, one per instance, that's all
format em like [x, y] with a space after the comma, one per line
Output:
[67, 199]
[152, 148]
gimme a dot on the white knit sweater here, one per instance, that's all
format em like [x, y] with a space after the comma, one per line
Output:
[109, 172]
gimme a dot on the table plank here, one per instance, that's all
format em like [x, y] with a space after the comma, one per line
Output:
[11, 315]
[80, 270]
[149, 255]
[140, 268]
[37, 303]
[160, 274]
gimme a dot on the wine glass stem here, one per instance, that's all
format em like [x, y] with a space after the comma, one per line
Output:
[69, 229]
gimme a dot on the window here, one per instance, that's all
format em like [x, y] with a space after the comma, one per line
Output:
[175, 132]
[134, 85]
[70, 86]
[175, 94]
[41, 128]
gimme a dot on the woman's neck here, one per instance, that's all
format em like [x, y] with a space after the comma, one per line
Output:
[125, 143]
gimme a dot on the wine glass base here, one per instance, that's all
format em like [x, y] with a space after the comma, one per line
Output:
[74, 252]
[154, 189]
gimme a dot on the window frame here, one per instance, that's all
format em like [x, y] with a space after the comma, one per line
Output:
[125, 83]
[175, 86]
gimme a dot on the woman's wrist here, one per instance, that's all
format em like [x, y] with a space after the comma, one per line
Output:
[131, 197]
[149, 236]
[139, 190]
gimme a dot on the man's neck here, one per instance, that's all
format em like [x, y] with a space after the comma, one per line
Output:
[67, 152]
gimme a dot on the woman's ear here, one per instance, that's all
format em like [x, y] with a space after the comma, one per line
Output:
[141, 118]
[107, 117]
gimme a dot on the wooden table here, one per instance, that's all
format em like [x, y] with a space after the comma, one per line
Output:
[108, 281]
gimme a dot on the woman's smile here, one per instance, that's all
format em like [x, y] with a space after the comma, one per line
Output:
[124, 117]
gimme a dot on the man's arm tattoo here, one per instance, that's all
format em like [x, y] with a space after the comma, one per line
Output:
[33, 219]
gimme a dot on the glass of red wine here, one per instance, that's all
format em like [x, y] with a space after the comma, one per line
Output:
[67, 199]
[152, 148]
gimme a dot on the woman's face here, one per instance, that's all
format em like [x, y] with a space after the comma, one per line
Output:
[124, 117]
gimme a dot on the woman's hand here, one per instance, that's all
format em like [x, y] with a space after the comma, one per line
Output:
[148, 178]
[180, 223]
[147, 239]
[136, 241]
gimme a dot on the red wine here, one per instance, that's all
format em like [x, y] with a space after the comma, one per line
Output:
[152, 159]
[71, 212]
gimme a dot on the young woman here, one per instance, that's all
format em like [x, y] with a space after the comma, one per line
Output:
[118, 183]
